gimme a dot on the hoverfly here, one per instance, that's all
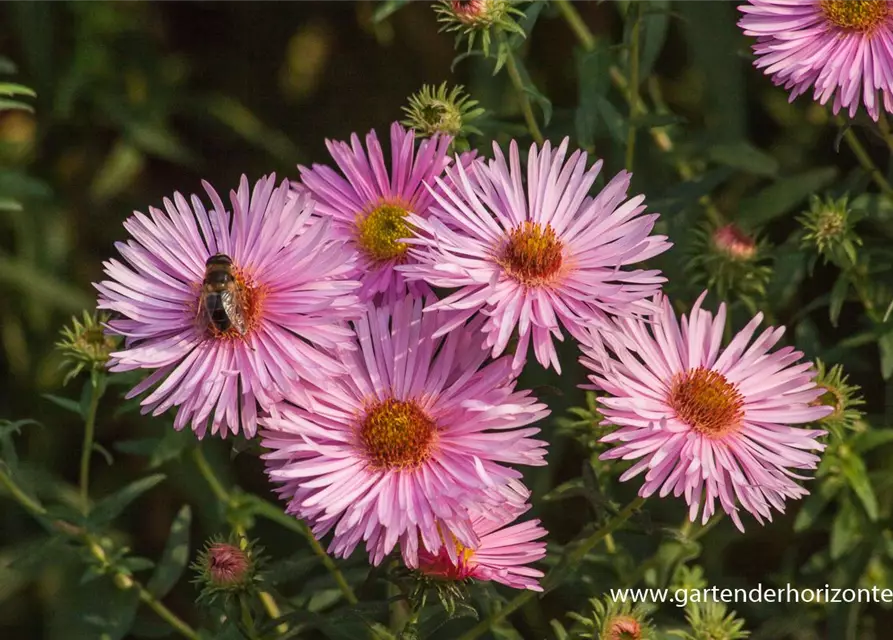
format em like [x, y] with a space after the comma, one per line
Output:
[222, 302]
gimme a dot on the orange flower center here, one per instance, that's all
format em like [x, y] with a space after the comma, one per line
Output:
[379, 233]
[532, 254]
[397, 434]
[707, 402]
[856, 15]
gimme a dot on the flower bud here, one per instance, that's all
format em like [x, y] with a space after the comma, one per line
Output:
[472, 17]
[614, 621]
[729, 261]
[435, 110]
[736, 244]
[85, 344]
[226, 568]
[829, 226]
[709, 621]
[623, 628]
[839, 395]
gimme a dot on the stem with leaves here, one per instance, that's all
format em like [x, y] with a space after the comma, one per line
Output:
[864, 159]
[573, 558]
[523, 98]
[122, 580]
[634, 14]
[274, 514]
[96, 388]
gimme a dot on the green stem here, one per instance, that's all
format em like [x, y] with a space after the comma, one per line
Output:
[633, 93]
[122, 581]
[210, 477]
[485, 625]
[274, 514]
[865, 160]
[87, 449]
[167, 615]
[32, 506]
[569, 12]
[576, 556]
[573, 559]
[524, 99]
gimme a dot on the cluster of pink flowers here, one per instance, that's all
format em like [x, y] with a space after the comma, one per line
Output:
[306, 313]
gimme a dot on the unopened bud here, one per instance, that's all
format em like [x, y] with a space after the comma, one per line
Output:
[732, 241]
[85, 344]
[435, 110]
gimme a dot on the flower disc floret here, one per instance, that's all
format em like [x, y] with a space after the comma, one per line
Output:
[397, 434]
[857, 15]
[379, 233]
[706, 401]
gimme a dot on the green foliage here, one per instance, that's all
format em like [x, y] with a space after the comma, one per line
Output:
[111, 106]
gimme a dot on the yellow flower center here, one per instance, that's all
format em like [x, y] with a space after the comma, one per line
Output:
[856, 15]
[379, 233]
[397, 434]
[532, 254]
[707, 402]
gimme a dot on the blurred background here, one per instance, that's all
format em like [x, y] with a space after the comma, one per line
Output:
[138, 100]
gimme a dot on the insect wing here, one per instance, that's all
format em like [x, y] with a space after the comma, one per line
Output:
[233, 307]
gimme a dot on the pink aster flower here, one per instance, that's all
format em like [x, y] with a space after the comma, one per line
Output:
[839, 48]
[704, 421]
[399, 449]
[531, 257]
[369, 202]
[502, 555]
[285, 299]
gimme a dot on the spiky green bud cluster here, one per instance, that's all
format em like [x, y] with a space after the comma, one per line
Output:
[436, 110]
[227, 567]
[829, 225]
[842, 397]
[730, 262]
[710, 621]
[472, 18]
[610, 620]
[85, 344]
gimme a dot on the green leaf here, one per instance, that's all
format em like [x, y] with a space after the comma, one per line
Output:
[845, 532]
[654, 23]
[116, 611]
[8, 204]
[856, 475]
[175, 556]
[782, 196]
[387, 8]
[571, 489]
[885, 344]
[868, 440]
[111, 507]
[13, 89]
[744, 156]
[815, 504]
[121, 167]
[290, 569]
[838, 297]
[242, 121]
[158, 450]
[612, 118]
[32, 283]
[66, 403]
[530, 89]
[15, 105]
[593, 83]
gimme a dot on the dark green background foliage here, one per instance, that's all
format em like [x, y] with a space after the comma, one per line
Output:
[138, 100]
